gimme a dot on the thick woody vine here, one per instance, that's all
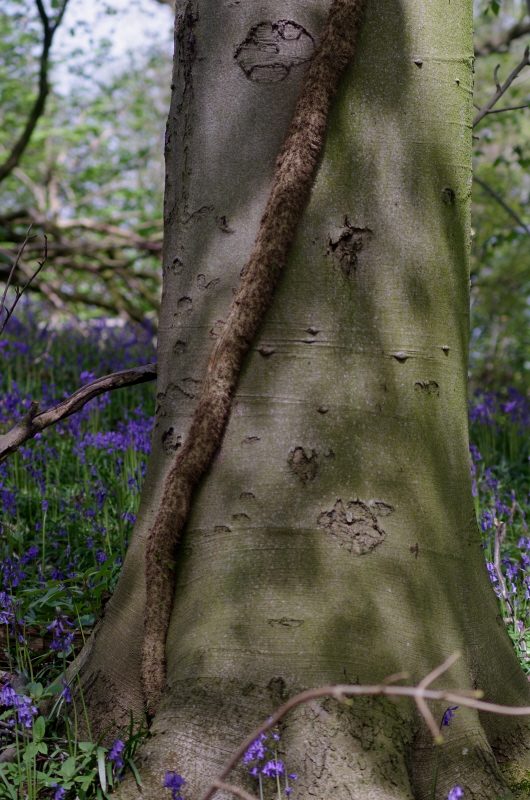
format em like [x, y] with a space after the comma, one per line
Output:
[290, 186]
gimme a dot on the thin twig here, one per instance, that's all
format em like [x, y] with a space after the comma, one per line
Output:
[503, 203]
[5, 726]
[423, 708]
[501, 89]
[467, 698]
[33, 423]
[508, 108]
[10, 278]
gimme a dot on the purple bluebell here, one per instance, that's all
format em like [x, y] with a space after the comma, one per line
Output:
[66, 691]
[448, 715]
[174, 782]
[62, 638]
[486, 521]
[115, 754]
[273, 768]
[256, 751]
[60, 791]
[456, 793]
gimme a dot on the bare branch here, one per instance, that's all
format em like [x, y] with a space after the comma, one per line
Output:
[505, 205]
[12, 270]
[423, 708]
[38, 107]
[19, 291]
[508, 108]
[33, 423]
[502, 89]
[467, 698]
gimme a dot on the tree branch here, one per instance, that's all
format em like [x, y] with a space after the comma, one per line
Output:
[20, 291]
[33, 423]
[420, 693]
[501, 89]
[501, 202]
[38, 107]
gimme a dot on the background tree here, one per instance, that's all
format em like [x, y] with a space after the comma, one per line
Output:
[90, 177]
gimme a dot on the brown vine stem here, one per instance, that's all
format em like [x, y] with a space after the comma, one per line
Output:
[420, 693]
[290, 186]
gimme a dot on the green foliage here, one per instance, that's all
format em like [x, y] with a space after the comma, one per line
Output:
[500, 311]
[69, 500]
[91, 178]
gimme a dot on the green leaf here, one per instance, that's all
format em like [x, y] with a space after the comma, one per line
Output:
[101, 767]
[39, 729]
[68, 768]
[135, 772]
[35, 690]
[30, 752]
[85, 781]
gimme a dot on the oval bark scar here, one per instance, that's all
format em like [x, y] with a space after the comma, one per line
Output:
[271, 49]
[427, 387]
[354, 526]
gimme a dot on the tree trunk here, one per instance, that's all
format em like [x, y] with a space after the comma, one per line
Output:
[334, 537]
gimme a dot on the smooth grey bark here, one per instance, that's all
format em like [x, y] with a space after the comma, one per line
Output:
[334, 536]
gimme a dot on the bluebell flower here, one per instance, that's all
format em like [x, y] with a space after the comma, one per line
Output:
[62, 638]
[448, 715]
[115, 753]
[256, 751]
[66, 691]
[174, 782]
[492, 572]
[486, 521]
[273, 768]
[456, 793]
[60, 791]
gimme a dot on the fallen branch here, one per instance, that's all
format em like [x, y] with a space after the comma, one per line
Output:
[342, 693]
[487, 109]
[33, 423]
